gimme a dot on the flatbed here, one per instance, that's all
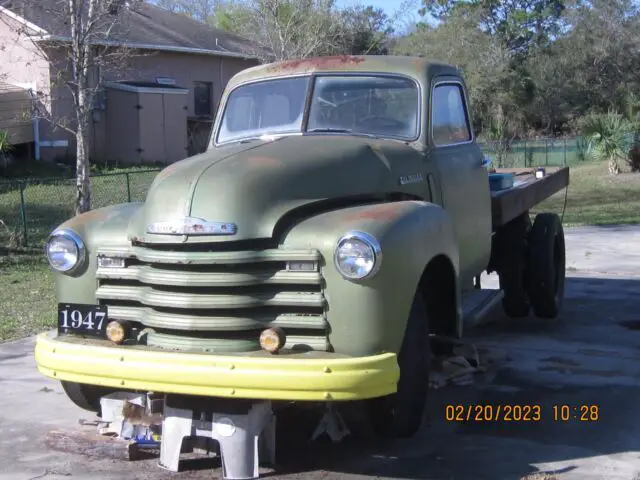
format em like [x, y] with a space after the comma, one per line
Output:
[527, 192]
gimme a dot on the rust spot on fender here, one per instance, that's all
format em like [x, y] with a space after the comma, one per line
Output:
[91, 215]
[166, 171]
[336, 61]
[381, 213]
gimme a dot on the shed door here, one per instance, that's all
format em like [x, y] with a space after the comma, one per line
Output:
[175, 127]
[152, 128]
[163, 127]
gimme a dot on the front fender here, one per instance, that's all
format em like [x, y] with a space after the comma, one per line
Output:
[101, 227]
[369, 316]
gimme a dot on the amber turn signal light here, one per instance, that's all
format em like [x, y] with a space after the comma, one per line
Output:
[116, 332]
[272, 339]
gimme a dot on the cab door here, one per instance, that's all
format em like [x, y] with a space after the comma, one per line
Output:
[463, 178]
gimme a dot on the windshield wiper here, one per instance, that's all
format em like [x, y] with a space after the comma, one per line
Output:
[330, 130]
[341, 130]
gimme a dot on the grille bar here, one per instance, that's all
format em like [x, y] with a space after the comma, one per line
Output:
[146, 255]
[148, 296]
[184, 278]
[182, 321]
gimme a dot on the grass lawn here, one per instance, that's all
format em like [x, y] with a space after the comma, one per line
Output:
[597, 198]
[48, 202]
[27, 302]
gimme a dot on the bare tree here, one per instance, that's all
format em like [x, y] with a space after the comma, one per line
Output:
[285, 29]
[86, 39]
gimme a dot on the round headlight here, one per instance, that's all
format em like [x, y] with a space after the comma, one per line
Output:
[358, 255]
[65, 250]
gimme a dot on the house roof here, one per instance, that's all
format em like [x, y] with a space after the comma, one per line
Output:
[142, 26]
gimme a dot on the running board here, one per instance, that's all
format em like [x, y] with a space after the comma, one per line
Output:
[477, 303]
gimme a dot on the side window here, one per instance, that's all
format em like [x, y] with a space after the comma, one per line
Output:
[241, 114]
[449, 121]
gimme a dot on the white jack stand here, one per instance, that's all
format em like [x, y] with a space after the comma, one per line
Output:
[240, 436]
[332, 424]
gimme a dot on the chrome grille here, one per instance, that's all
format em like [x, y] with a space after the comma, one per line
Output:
[215, 300]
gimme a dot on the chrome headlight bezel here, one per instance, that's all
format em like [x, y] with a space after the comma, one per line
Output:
[81, 250]
[370, 242]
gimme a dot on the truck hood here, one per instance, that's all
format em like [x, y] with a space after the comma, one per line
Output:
[253, 185]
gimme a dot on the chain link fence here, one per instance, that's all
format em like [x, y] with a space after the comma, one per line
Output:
[31, 209]
[536, 153]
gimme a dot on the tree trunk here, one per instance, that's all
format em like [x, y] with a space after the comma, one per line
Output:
[83, 182]
[614, 168]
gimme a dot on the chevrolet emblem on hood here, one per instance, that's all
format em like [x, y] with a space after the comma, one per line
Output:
[191, 226]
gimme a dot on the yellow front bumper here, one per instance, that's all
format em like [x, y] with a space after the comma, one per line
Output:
[260, 377]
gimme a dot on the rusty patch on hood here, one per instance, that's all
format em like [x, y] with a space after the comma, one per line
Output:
[336, 61]
[268, 162]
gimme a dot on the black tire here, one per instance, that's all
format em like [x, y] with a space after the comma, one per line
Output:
[400, 415]
[512, 251]
[546, 265]
[85, 396]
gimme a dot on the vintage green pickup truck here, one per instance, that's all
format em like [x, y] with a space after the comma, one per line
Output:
[338, 222]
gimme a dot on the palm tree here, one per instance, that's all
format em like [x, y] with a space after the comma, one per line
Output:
[5, 149]
[609, 137]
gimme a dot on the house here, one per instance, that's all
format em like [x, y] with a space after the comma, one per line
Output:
[15, 112]
[149, 110]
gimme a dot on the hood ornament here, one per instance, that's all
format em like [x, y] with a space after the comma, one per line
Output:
[191, 226]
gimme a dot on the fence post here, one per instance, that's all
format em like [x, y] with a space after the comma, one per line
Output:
[565, 152]
[23, 214]
[546, 151]
[128, 188]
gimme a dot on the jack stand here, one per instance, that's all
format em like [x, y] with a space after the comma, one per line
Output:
[239, 435]
[332, 424]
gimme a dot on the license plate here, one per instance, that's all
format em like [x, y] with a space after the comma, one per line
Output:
[82, 319]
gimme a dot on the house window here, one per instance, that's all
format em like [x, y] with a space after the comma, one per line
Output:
[449, 119]
[203, 99]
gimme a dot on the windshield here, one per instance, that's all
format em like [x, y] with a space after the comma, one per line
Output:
[371, 105]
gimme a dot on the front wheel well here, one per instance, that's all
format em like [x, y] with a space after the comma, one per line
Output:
[438, 288]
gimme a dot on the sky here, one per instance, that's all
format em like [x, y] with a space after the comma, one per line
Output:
[390, 7]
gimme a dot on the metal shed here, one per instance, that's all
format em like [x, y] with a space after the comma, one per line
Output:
[145, 122]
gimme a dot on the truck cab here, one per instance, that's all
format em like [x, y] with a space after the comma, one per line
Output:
[334, 225]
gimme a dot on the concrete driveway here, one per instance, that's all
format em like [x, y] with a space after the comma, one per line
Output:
[589, 357]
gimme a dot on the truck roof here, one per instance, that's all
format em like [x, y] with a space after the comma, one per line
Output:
[418, 68]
